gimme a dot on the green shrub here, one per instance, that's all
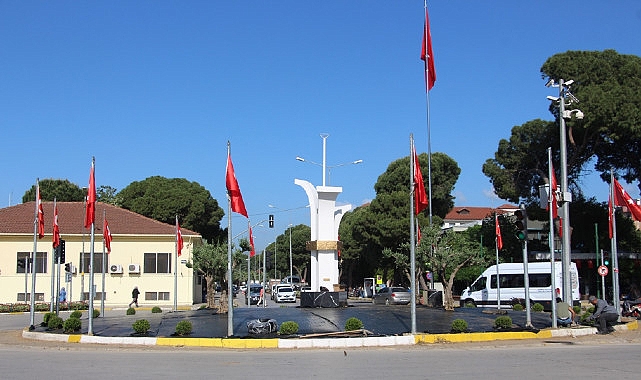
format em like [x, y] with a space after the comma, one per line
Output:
[353, 323]
[503, 322]
[72, 325]
[75, 314]
[459, 326]
[577, 309]
[131, 311]
[46, 317]
[156, 309]
[41, 307]
[517, 307]
[55, 322]
[141, 326]
[470, 304]
[96, 313]
[288, 328]
[184, 328]
[537, 307]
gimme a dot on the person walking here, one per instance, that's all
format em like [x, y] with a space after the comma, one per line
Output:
[62, 297]
[604, 314]
[134, 296]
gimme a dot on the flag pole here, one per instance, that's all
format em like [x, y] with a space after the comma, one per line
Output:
[230, 305]
[429, 127]
[102, 296]
[53, 265]
[412, 238]
[91, 248]
[176, 267]
[551, 204]
[496, 245]
[33, 260]
[613, 249]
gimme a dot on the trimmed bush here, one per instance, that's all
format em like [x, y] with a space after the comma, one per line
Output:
[459, 326]
[46, 317]
[131, 311]
[537, 307]
[55, 322]
[156, 309]
[503, 322]
[96, 313]
[141, 326]
[517, 307]
[72, 325]
[353, 323]
[184, 328]
[288, 328]
[469, 304]
[75, 314]
[577, 309]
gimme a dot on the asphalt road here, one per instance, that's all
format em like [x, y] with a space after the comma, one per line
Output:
[378, 319]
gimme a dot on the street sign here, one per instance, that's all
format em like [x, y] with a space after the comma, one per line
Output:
[603, 270]
[67, 277]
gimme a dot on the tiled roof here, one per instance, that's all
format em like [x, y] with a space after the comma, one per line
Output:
[475, 213]
[19, 219]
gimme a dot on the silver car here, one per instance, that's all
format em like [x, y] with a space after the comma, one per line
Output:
[285, 294]
[392, 295]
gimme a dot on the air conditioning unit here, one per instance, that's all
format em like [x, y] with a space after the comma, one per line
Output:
[134, 268]
[115, 268]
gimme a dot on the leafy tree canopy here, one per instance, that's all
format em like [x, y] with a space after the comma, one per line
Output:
[163, 198]
[60, 189]
[608, 86]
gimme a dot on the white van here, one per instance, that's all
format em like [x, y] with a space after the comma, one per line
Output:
[483, 290]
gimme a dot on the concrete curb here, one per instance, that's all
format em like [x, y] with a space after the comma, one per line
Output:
[382, 341]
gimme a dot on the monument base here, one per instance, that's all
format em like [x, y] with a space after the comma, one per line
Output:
[323, 299]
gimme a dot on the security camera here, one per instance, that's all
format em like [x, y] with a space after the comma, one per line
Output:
[550, 83]
[579, 115]
[553, 98]
[568, 82]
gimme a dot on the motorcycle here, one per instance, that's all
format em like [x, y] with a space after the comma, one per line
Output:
[631, 308]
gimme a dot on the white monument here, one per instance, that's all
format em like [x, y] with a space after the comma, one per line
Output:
[324, 245]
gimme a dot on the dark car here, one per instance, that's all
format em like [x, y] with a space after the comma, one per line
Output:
[392, 295]
[254, 294]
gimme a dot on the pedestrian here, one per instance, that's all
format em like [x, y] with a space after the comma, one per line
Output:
[564, 313]
[134, 296]
[62, 297]
[604, 314]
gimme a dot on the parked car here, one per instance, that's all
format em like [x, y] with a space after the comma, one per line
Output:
[275, 289]
[285, 294]
[392, 295]
[254, 294]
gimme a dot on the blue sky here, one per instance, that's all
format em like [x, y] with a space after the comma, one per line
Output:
[159, 87]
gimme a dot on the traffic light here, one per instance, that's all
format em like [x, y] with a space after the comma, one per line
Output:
[268, 260]
[60, 252]
[271, 221]
[521, 223]
[68, 267]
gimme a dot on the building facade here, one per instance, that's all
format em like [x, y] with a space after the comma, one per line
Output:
[143, 254]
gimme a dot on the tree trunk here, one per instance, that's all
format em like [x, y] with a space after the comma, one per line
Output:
[211, 291]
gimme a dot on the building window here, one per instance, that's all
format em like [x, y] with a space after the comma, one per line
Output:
[97, 263]
[40, 297]
[156, 296]
[41, 262]
[157, 262]
[98, 296]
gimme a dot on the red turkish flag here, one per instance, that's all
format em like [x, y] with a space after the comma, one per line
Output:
[179, 238]
[106, 234]
[41, 214]
[622, 198]
[420, 197]
[90, 215]
[610, 219]
[56, 228]
[252, 251]
[499, 238]
[553, 186]
[237, 203]
[430, 72]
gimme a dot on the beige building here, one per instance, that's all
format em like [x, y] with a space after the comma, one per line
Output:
[142, 255]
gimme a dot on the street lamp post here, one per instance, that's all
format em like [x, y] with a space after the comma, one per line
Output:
[566, 196]
[327, 169]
